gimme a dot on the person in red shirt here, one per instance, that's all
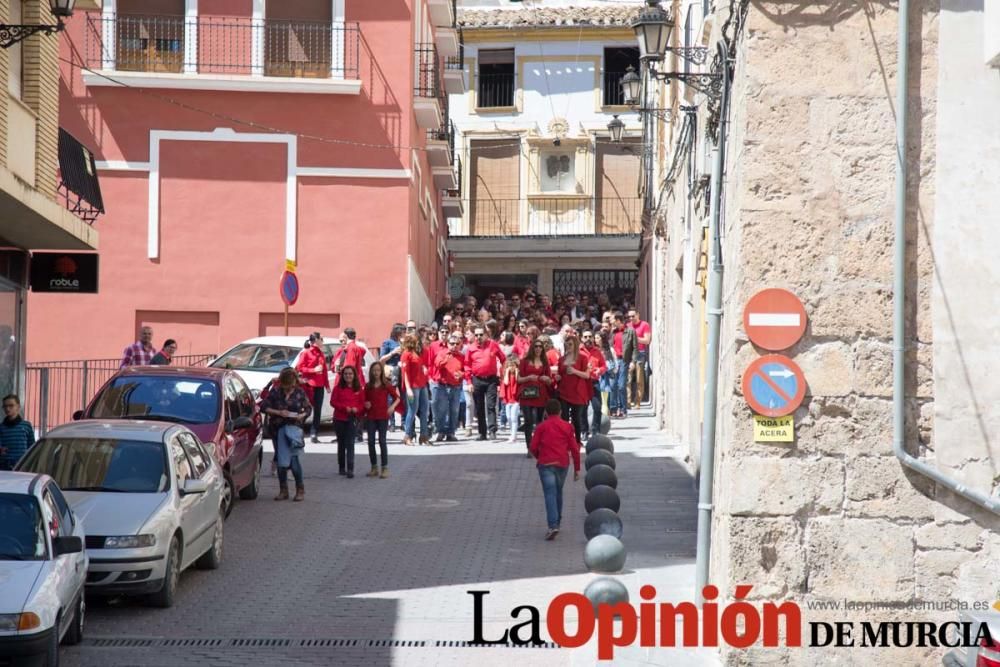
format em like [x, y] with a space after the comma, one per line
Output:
[413, 371]
[438, 413]
[348, 401]
[315, 375]
[508, 395]
[575, 385]
[381, 399]
[534, 382]
[552, 445]
[450, 368]
[521, 339]
[354, 354]
[644, 335]
[598, 366]
[484, 359]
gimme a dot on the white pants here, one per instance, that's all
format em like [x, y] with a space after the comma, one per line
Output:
[513, 416]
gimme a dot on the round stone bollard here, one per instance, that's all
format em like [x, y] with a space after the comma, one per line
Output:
[602, 521]
[600, 457]
[602, 496]
[605, 590]
[601, 474]
[605, 554]
[605, 424]
[600, 442]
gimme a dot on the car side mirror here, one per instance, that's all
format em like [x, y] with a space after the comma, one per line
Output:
[67, 545]
[238, 423]
[193, 486]
[78, 415]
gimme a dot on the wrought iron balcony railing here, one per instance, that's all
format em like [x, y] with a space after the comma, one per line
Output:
[428, 82]
[223, 45]
[544, 215]
[613, 95]
[495, 90]
[446, 134]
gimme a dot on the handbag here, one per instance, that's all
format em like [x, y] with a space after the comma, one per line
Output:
[530, 391]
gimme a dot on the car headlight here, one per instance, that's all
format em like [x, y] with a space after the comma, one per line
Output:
[15, 622]
[129, 541]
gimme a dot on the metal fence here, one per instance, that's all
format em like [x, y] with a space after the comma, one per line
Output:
[613, 94]
[495, 90]
[554, 217]
[223, 45]
[54, 390]
[428, 82]
[445, 133]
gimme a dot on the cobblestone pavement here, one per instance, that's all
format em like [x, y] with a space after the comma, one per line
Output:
[376, 572]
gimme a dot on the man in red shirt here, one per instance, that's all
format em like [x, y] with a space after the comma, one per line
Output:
[431, 352]
[450, 369]
[598, 366]
[643, 334]
[354, 354]
[552, 444]
[484, 359]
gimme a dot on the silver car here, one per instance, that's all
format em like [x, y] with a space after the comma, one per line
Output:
[150, 497]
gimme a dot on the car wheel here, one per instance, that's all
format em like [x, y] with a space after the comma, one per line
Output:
[212, 559]
[251, 491]
[165, 596]
[52, 650]
[228, 493]
[74, 635]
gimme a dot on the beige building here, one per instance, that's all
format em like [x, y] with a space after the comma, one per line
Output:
[851, 509]
[44, 174]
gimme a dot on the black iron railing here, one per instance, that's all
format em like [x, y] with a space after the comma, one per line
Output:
[454, 63]
[457, 192]
[445, 133]
[613, 95]
[428, 82]
[495, 90]
[223, 45]
[543, 216]
[79, 186]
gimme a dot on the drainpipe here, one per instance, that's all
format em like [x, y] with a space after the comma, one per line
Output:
[899, 287]
[706, 481]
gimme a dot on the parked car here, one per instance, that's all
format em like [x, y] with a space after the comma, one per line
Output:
[214, 403]
[150, 495]
[987, 654]
[42, 569]
[259, 360]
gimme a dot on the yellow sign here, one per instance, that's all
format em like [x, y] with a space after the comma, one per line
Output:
[773, 429]
[290, 265]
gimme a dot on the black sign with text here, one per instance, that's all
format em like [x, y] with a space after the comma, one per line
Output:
[66, 272]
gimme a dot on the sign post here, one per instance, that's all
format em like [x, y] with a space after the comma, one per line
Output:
[288, 287]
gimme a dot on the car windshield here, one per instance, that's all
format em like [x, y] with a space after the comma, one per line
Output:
[257, 357]
[22, 531]
[161, 398]
[98, 464]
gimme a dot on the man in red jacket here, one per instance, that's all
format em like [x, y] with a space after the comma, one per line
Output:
[553, 442]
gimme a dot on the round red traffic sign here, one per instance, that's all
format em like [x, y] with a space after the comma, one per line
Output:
[774, 385]
[289, 288]
[774, 319]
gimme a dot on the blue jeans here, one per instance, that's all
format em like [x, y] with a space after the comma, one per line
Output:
[618, 400]
[553, 479]
[446, 403]
[596, 404]
[417, 406]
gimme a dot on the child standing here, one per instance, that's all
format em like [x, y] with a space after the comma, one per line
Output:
[381, 399]
[348, 401]
[508, 394]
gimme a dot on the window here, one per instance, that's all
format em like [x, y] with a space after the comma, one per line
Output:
[51, 513]
[15, 73]
[148, 42]
[232, 401]
[199, 461]
[244, 396]
[557, 173]
[182, 467]
[62, 505]
[495, 187]
[496, 78]
[616, 62]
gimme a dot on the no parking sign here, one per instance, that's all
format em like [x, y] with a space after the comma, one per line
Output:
[774, 385]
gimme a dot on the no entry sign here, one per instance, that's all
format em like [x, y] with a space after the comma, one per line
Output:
[289, 288]
[774, 319]
[774, 385]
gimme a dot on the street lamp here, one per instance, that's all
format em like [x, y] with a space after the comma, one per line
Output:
[652, 28]
[631, 86]
[616, 127]
[11, 34]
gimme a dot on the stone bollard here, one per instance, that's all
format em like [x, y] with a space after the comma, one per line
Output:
[602, 521]
[605, 554]
[600, 456]
[601, 474]
[600, 442]
[605, 424]
[605, 590]
[602, 496]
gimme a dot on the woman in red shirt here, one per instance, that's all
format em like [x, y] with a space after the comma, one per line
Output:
[575, 385]
[413, 369]
[534, 384]
[508, 395]
[313, 370]
[381, 399]
[348, 401]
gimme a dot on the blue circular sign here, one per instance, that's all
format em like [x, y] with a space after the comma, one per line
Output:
[289, 288]
[774, 386]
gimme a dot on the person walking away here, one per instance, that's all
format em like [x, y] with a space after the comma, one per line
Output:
[348, 401]
[508, 395]
[287, 406]
[166, 353]
[484, 360]
[597, 367]
[643, 334]
[450, 367]
[389, 355]
[575, 385]
[414, 374]
[552, 445]
[141, 352]
[534, 388]
[381, 400]
[315, 375]
[16, 433]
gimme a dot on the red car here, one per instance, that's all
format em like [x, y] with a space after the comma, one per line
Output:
[215, 403]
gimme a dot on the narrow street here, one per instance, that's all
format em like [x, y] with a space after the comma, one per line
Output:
[375, 572]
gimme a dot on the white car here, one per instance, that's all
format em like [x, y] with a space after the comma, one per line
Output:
[150, 494]
[259, 360]
[42, 568]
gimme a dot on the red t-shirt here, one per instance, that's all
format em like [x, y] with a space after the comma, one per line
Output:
[616, 343]
[573, 389]
[308, 361]
[342, 398]
[430, 360]
[641, 329]
[379, 398]
[484, 360]
[413, 370]
[598, 364]
[544, 392]
[508, 386]
[447, 363]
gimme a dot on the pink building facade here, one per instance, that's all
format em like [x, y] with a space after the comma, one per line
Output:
[235, 135]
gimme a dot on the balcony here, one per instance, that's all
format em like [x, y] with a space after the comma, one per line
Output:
[553, 215]
[441, 146]
[429, 103]
[495, 91]
[447, 41]
[443, 12]
[451, 200]
[454, 73]
[612, 89]
[224, 53]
